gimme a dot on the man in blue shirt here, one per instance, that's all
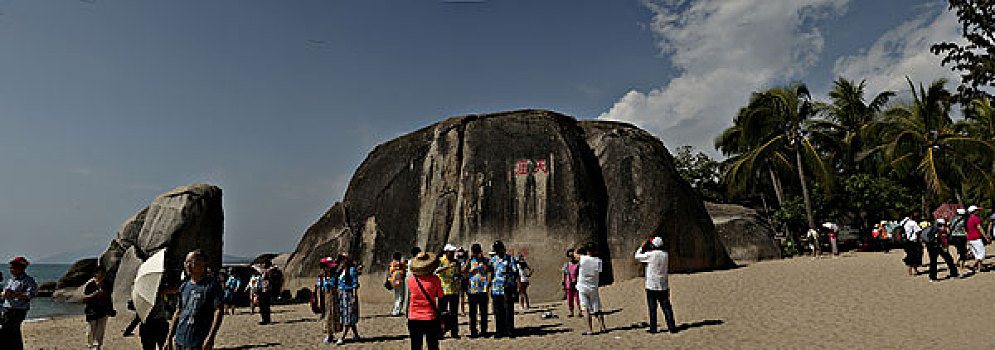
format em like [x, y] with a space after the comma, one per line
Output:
[200, 308]
[504, 286]
[17, 294]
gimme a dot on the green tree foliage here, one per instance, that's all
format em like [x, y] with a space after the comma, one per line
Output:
[920, 139]
[848, 116]
[702, 172]
[975, 59]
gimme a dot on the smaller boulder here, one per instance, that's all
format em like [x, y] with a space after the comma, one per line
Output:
[78, 274]
[747, 236]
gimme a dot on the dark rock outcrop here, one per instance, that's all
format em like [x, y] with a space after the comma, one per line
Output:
[78, 274]
[647, 197]
[529, 178]
[746, 236]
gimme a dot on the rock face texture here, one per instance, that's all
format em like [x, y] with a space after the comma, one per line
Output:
[181, 220]
[647, 197]
[78, 274]
[746, 236]
[528, 178]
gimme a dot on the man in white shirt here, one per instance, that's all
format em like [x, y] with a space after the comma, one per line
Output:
[656, 258]
[913, 249]
[587, 285]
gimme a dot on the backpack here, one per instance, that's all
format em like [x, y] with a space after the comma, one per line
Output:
[928, 235]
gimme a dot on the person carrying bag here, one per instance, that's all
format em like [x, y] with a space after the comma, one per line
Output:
[425, 323]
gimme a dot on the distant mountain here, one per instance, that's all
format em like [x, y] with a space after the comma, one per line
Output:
[231, 259]
[69, 257]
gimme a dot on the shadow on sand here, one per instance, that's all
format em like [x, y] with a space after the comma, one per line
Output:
[253, 346]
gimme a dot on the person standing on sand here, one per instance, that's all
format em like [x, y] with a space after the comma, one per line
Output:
[504, 284]
[328, 285]
[932, 238]
[913, 249]
[975, 238]
[476, 270]
[657, 261]
[253, 288]
[588, 276]
[348, 300]
[524, 273]
[958, 236]
[17, 294]
[813, 243]
[267, 284]
[200, 309]
[98, 306]
[424, 293]
[231, 287]
[569, 281]
[395, 276]
[448, 273]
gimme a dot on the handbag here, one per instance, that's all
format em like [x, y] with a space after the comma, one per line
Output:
[444, 315]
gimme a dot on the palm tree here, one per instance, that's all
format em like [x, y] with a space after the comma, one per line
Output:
[772, 127]
[921, 139]
[848, 117]
[980, 123]
[752, 154]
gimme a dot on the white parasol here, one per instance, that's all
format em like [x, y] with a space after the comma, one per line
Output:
[147, 281]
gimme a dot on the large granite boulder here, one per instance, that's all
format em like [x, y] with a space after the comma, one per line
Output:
[77, 275]
[647, 197]
[181, 220]
[529, 178]
[745, 234]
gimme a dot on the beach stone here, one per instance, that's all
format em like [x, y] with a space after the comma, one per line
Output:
[123, 282]
[745, 234]
[646, 198]
[77, 275]
[127, 236]
[528, 178]
[181, 220]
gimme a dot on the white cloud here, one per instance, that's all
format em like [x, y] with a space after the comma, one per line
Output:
[723, 50]
[81, 170]
[904, 51]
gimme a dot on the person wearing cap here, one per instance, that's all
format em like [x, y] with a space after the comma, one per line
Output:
[975, 239]
[476, 271]
[933, 237]
[569, 282]
[17, 294]
[424, 294]
[395, 276]
[657, 260]
[449, 272]
[504, 286]
[958, 236]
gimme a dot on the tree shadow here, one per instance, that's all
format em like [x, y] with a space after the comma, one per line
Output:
[252, 346]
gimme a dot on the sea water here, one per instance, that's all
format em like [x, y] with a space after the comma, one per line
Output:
[46, 308]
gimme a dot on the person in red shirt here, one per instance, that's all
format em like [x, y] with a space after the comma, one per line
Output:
[974, 238]
[424, 290]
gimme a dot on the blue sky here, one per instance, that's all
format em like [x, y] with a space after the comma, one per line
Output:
[105, 104]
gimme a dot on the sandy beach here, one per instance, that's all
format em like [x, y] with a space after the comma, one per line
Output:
[858, 300]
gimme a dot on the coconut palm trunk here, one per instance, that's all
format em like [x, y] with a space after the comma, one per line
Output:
[801, 177]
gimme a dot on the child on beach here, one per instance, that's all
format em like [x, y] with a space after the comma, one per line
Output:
[231, 287]
[254, 291]
[525, 271]
[569, 282]
[588, 274]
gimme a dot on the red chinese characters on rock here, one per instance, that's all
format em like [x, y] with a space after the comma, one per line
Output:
[530, 167]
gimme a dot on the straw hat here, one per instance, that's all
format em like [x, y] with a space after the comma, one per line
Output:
[424, 264]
